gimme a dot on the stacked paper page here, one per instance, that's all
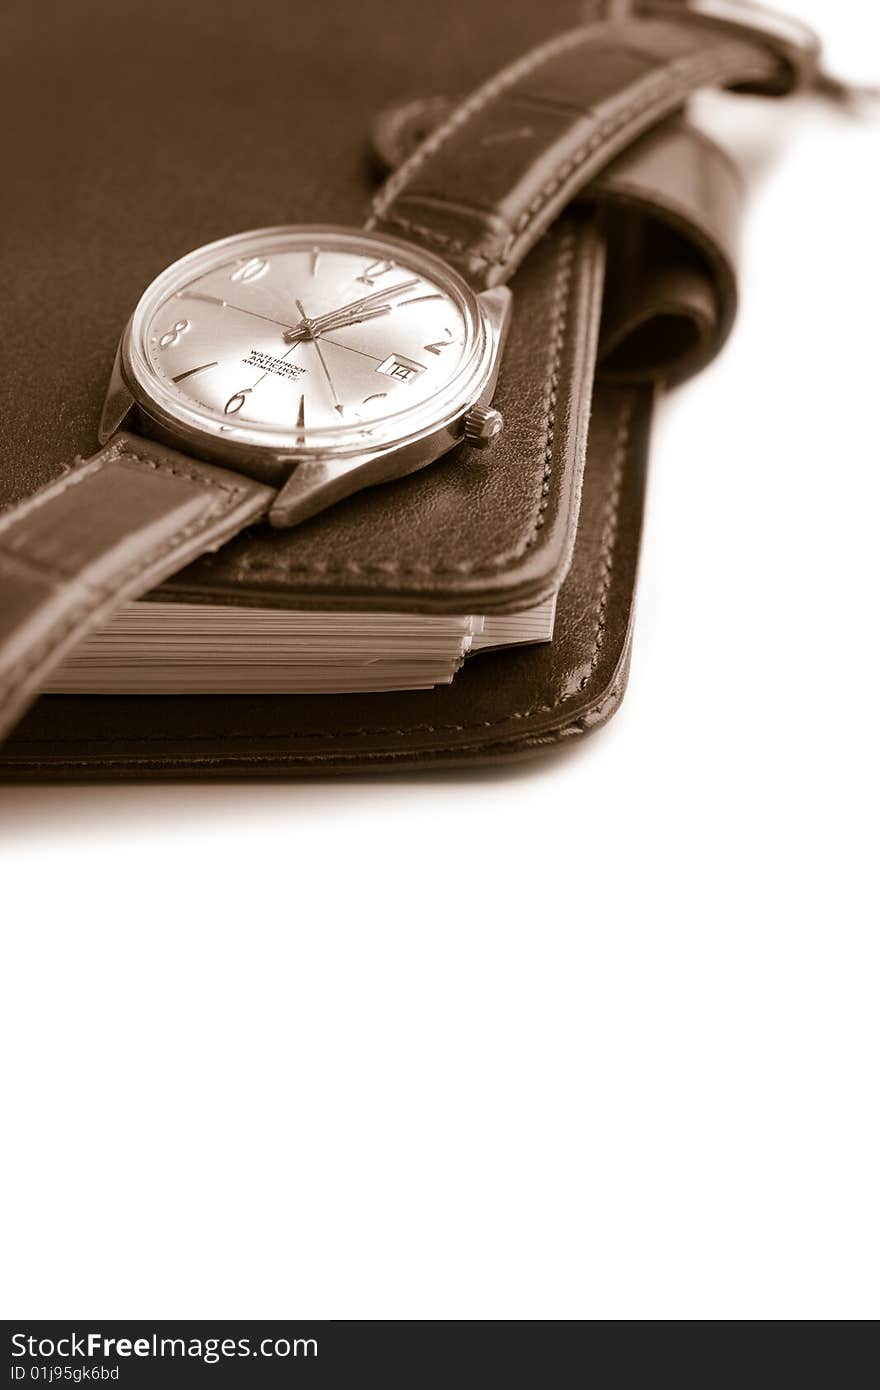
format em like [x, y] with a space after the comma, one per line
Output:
[177, 648]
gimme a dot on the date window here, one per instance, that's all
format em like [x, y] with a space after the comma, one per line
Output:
[400, 368]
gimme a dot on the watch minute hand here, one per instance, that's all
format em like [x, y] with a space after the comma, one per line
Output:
[365, 303]
[313, 329]
[345, 320]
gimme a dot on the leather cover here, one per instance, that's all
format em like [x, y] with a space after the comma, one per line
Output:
[220, 135]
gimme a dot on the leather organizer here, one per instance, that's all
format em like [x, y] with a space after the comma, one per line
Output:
[632, 288]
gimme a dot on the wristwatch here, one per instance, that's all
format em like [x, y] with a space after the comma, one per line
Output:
[318, 360]
[265, 376]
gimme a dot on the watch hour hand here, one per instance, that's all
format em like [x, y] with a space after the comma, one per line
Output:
[379, 297]
[313, 329]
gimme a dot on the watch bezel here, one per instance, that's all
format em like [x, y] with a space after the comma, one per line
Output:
[199, 428]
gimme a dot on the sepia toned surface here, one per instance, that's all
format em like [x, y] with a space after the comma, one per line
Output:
[588, 1038]
[675, 308]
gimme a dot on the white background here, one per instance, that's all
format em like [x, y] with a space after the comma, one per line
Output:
[597, 1038]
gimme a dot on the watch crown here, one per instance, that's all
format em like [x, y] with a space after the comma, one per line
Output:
[482, 426]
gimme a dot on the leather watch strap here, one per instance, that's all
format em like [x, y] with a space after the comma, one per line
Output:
[671, 205]
[488, 182]
[110, 528]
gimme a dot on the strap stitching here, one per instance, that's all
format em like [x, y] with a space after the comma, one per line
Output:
[160, 466]
[19, 674]
[609, 537]
[676, 79]
[623, 440]
[682, 71]
[81, 471]
[508, 77]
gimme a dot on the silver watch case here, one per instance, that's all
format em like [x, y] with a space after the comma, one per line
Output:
[312, 478]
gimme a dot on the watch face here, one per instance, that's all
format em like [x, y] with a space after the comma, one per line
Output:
[306, 340]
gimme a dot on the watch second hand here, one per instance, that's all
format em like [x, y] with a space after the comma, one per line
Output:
[225, 304]
[346, 347]
[329, 321]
